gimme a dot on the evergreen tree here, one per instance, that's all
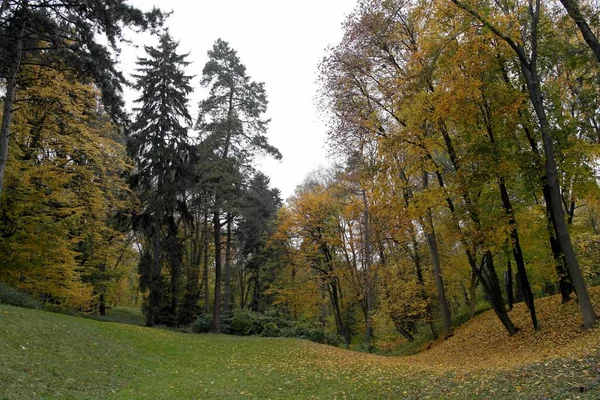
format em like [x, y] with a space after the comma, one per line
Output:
[259, 208]
[159, 146]
[232, 124]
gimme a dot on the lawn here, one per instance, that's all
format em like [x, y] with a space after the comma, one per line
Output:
[52, 356]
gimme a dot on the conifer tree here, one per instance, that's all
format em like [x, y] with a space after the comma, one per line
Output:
[159, 146]
[232, 124]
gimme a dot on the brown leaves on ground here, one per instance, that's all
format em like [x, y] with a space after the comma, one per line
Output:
[483, 343]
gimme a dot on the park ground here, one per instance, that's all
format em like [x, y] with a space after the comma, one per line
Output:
[47, 355]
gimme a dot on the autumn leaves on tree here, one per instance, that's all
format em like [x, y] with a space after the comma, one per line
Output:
[466, 138]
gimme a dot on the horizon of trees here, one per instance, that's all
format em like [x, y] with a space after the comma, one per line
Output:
[466, 135]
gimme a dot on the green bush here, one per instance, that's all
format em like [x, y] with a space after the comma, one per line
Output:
[270, 329]
[245, 322]
[16, 297]
[203, 324]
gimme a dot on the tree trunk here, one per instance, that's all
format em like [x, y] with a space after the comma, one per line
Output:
[560, 226]
[216, 322]
[335, 302]
[367, 272]
[9, 100]
[102, 304]
[588, 35]
[509, 286]
[404, 332]
[495, 293]
[517, 253]
[154, 295]
[473, 293]
[227, 294]
[435, 260]
[205, 262]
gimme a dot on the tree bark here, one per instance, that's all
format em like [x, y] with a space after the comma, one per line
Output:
[154, 295]
[518, 253]
[509, 286]
[367, 272]
[227, 294]
[216, 322]
[9, 100]
[574, 12]
[205, 266]
[435, 260]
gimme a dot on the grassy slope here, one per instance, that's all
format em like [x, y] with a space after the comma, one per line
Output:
[45, 355]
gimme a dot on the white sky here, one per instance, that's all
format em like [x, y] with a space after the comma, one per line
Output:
[281, 43]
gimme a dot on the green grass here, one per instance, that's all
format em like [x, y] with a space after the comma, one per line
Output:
[121, 314]
[52, 356]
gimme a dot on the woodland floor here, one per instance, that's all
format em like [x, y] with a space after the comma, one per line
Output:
[52, 356]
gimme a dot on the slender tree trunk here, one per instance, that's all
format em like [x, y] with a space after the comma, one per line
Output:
[9, 100]
[335, 301]
[154, 295]
[509, 286]
[560, 226]
[520, 296]
[175, 258]
[564, 281]
[227, 294]
[435, 260]
[216, 322]
[242, 286]
[102, 297]
[205, 266]
[473, 293]
[517, 252]
[367, 272]
[574, 12]
[404, 332]
[495, 293]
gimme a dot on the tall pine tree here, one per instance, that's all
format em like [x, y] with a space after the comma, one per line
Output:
[159, 146]
[232, 124]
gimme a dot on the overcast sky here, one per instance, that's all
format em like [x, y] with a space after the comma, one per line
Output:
[281, 43]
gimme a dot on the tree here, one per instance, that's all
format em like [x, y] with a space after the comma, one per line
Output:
[231, 122]
[574, 11]
[65, 189]
[72, 31]
[528, 61]
[160, 148]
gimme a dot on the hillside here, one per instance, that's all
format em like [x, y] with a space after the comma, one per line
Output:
[53, 356]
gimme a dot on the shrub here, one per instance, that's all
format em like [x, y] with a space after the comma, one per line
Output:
[203, 324]
[247, 322]
[16, 297]
[270, 329]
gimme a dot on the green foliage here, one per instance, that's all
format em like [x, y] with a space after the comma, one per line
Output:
[160, 148]
[202, 324]
[16, 297]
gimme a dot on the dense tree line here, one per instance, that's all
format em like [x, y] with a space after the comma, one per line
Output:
[100, 207]
[466, 135]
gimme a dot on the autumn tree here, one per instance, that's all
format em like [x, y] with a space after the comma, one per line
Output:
[40, 32]
[526, 47]
[61, 239]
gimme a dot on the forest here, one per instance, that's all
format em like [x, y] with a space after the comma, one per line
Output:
[464, 137]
